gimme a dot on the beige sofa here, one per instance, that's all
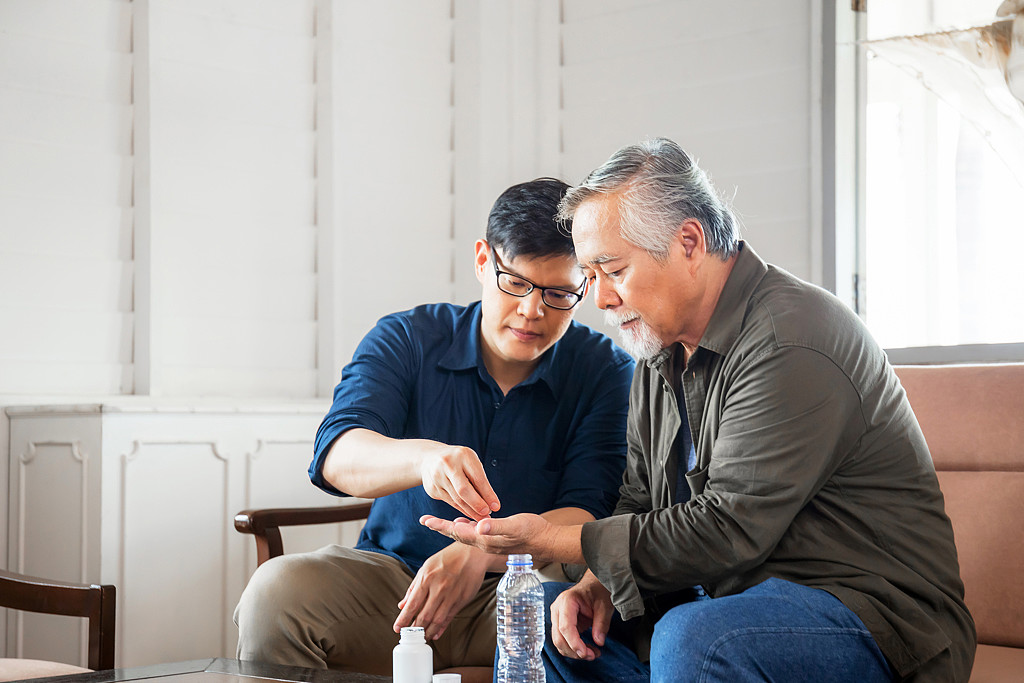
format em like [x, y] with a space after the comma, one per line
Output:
[973, 420]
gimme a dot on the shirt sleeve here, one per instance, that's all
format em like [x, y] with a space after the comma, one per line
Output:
[374, 391]
[786, 423]
[596, 455]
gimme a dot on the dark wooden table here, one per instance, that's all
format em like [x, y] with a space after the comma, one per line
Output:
[216, 671]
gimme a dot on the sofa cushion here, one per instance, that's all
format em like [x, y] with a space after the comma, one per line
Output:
[971, 415]
[986, 509]
[20, 669]
[995, 664]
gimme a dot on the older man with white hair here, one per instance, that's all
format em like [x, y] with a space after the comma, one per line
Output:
[779, 518]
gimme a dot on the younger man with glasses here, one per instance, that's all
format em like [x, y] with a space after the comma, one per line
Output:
[500, 407]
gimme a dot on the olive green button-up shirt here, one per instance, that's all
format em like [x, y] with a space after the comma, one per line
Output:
[811, 468]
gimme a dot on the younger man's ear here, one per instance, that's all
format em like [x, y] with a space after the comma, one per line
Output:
[483, 255]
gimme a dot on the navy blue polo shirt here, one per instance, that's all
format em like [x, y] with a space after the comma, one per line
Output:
[558, 439]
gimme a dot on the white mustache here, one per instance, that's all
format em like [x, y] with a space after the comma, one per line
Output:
[616, 319]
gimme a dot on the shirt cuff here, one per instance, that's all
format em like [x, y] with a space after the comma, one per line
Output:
[606, 546]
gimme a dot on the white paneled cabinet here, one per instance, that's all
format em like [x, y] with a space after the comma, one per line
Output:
[143, 496]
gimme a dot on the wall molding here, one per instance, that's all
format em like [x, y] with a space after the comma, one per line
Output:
[138, 445]
[80, 456]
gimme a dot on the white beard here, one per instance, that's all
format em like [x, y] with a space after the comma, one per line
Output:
[639, 341]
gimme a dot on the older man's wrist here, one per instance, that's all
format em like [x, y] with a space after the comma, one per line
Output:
[562, 544]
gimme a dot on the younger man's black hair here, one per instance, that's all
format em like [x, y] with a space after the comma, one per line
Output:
[522, 221]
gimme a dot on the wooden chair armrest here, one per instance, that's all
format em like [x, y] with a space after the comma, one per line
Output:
[94, 602]
[265, 524]
[256, 521]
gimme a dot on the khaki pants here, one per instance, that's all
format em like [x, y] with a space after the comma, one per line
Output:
[335, 608]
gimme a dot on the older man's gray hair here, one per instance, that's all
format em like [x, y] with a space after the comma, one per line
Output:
[659, 187]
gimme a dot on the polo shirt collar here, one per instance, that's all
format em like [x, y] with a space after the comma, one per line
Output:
[464, 352]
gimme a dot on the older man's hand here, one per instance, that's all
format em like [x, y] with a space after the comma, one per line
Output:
[586, 605]
[522, 533]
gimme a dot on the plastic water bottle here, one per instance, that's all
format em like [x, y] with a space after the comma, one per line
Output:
[412, 660]
[520, 623]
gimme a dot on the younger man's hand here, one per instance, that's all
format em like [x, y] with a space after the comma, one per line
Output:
[454, 475]
[446, 583]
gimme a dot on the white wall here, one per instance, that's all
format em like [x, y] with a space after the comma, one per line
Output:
[387, 235]
[142, 496]
[66, 264]
[730, 82]
[225, 163]
[507, 123]
[219, 197]
[65, 197]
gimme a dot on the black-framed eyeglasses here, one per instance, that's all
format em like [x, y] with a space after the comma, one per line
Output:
[517, 285]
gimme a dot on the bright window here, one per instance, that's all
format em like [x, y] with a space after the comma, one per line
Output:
[943, 230]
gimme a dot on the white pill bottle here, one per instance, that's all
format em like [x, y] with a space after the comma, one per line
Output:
[412, 660]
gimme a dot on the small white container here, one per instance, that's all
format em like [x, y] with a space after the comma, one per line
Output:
[412, 660]
[447, 678]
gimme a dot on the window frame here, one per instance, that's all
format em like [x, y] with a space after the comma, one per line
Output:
[843, 159]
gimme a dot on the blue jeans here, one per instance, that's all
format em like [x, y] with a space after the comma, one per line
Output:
[775, 631]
